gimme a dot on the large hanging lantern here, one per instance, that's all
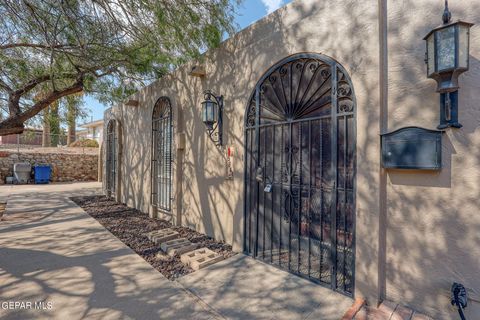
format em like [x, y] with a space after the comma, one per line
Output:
[447, 57]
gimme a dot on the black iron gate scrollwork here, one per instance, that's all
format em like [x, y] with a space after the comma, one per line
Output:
[300, 170]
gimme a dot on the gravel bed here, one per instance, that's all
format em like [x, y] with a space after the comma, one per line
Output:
[130, 226]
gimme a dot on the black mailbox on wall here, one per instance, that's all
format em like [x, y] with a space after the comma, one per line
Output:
[412, 148]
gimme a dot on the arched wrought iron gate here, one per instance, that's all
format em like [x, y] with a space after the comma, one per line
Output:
[111, 157]
[300, 170]
[162, 154]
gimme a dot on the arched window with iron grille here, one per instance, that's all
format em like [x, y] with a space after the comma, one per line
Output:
[161, 178]
[111, 157]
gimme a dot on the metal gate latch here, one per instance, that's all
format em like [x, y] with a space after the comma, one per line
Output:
[268, 188]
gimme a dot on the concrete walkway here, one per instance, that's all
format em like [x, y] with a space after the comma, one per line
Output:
[245, 288]
[51, 251]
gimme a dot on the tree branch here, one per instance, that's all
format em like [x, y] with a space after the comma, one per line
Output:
[50, 98]
[31, 84]
[5, 86]
[14, 123]
[34, 45]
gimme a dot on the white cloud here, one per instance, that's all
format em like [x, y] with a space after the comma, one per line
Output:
[272, 5]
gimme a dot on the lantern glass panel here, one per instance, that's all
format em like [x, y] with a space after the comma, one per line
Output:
[204, 111]
[213, 112]
[209, 112]
[463, 44]
[445, 48]
[431, 54]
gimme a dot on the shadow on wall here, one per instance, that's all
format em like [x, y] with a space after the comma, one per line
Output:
[432, 234]
[207, 197]
[426, 211]
[137, 145]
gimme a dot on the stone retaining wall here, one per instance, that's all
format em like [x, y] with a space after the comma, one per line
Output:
[65, 167]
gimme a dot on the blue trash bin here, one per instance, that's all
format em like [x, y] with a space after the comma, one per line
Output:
[42, 173]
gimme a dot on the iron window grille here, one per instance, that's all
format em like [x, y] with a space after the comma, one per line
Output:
[162, 131]
[111, 161]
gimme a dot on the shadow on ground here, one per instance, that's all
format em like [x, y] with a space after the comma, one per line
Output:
[52, 251]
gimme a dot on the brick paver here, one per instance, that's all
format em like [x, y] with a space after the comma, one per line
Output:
[162, 235]
[178, 246]
[200, 258]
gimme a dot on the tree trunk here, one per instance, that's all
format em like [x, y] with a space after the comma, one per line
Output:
[54, 124]
[71, 123]
[46, 128]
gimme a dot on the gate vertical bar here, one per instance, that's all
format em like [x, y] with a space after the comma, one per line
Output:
[246, 179]
[321, 199]
[273, 193]
[300, 187]
[290, 197]
[282, 203]
[257, 160]
[334, 132]
[344, 200]
[265, 153]
[309, 195]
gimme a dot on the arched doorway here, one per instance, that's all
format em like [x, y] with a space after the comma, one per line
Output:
[162, 155]
[300, 170]
[111, 158]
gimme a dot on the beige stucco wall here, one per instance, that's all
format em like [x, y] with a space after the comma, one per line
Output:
[203, 198]
[433, 220]
[411, 227]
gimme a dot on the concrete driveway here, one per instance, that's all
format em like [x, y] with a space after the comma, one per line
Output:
[56, 262]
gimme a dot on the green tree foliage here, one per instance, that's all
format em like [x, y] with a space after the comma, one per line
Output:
[106, 48]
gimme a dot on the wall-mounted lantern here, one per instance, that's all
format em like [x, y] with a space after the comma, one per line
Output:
[212, 116]
[447, 57]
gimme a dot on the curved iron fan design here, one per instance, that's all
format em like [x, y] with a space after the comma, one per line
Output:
[344, 93]
[162, 108]
[297, 89]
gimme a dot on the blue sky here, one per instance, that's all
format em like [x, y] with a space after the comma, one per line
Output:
[248, 12]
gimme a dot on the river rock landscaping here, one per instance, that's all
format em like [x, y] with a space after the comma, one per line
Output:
[131, 227]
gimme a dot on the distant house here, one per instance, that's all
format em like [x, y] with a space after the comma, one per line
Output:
[81, 134]
[92, 130]
[30, 136]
